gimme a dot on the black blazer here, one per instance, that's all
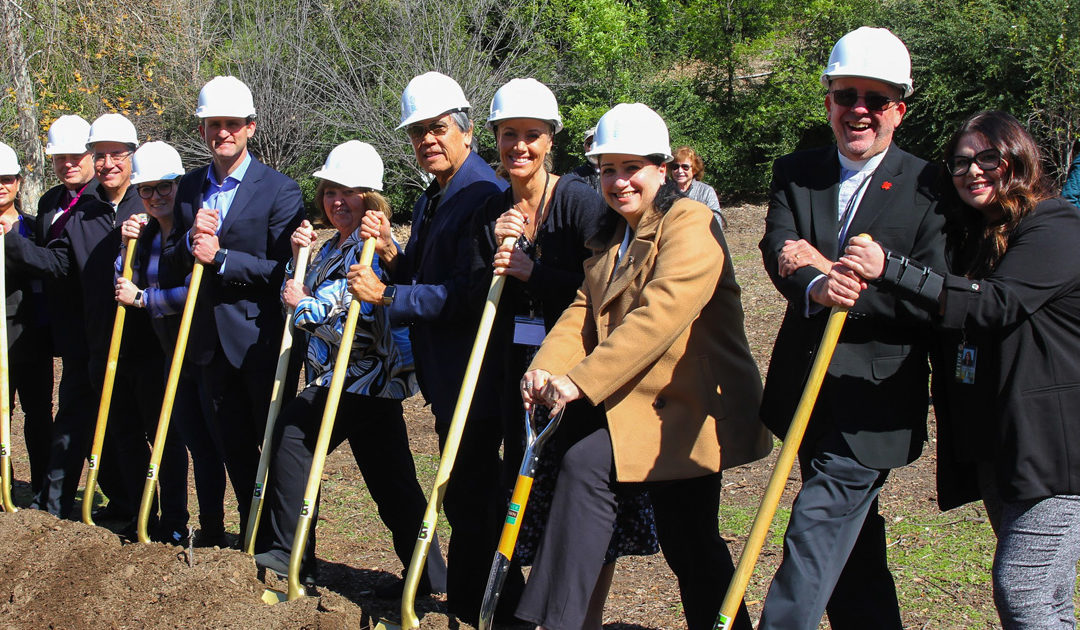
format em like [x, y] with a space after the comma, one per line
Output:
[27, 324]
[875, 393]
[238, 309]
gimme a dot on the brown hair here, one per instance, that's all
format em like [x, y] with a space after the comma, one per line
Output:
[1022, 185]
[686, 153]
[373, 200]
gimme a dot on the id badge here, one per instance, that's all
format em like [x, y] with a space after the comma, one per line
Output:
[528, 331]
[965, 364]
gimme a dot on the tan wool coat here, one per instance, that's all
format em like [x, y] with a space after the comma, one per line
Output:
[663, 348]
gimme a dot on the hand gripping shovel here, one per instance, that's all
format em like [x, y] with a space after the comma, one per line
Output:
[276, 398]
[446, 462]
[167, 404]
[515, 514]
[771, 499]
[106, 395]
[322, 444]
[5, 401]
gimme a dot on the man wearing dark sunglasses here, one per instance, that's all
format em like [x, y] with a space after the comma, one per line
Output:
[871, 413]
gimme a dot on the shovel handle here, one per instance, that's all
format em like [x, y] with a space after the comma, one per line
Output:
[326, 430]
[784, 463]
[277, 396]
[106, 392]
[167, 403]
[409, 620]
[5, 401]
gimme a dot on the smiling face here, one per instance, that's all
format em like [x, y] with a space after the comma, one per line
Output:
[630, 183]
[112, 166]
[159, 206]
[73, 169]
[344, 207]
[227, 138]
[9, 190]
[523, 145]
[682, 172]
[862, 133]
[979, 188]
[441, 155]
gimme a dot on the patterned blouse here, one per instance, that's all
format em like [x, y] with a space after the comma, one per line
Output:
[381, 363]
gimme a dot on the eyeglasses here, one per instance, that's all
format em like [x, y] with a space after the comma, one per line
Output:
[8, 180]
[163, 189]
[116, 156]
[874, 101]
[987, 160]
[681, 167]
[418, 131]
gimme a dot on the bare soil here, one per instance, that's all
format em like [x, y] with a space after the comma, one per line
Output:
[64, 574]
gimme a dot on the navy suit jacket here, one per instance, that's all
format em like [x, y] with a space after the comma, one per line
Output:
[432, 276]
[876, 390]
[238, 309]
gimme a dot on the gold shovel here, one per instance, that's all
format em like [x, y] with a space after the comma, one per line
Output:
[792, 440]
[106, 394]
[5, 402]
[167, 405]
[277, 396]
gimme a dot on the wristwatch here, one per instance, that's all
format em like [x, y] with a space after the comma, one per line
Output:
[219, 258]
[388, 294]
[140, 299]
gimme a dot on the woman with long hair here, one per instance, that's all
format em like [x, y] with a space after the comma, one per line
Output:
[1006, 380]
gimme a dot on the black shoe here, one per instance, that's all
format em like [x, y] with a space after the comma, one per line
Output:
[171, 536]
[211, 538]
[393, 590]
[269, 561]
[112, 512]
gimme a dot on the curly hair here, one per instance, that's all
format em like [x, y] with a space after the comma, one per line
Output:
[372, 199]
[1022, 185]
[687, 153]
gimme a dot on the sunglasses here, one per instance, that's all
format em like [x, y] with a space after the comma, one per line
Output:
[680, 167]
[874, 101]
[8, 180]
[418, 131]
[987, 160]
[163, 189]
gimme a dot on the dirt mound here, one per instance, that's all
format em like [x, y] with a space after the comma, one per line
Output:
[64, 574]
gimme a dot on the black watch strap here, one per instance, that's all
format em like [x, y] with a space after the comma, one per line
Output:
[388, 295]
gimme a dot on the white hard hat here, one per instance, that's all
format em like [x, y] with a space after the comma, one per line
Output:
[634, 129]
[871, 53]
[155, 161]
[67, 136]
[112, 128]
[431, 95]
[353, 164]
[9, 162]
[225, 97]
[524, 98]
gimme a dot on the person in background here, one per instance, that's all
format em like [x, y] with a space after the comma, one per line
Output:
[687, 171]
[870, 415]
[156, 168]
[588, 170]
[29, 359]
[654, 338]
[234, 216]
[1009, 303]
[1071, 190]
[429, 291]
[380, 376]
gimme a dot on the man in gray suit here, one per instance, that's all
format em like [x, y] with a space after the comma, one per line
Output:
[871, 413]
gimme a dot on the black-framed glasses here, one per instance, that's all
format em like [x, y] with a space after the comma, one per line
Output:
[162, 188]
[115, 156]
[874, 101]
[681, 167]
[419, 130]
[987, 160]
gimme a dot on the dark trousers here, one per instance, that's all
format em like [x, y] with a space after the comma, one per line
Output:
[33, 382]
[580, 526]
[208, 467]
[834, 548]
[475, 505]
[70, 440]
[235, 402]
[133, 418]
[375, 429]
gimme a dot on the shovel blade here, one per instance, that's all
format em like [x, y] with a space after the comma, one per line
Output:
[385, 624]
[271, 597]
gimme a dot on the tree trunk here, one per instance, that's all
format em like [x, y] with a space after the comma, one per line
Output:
[33, 158]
